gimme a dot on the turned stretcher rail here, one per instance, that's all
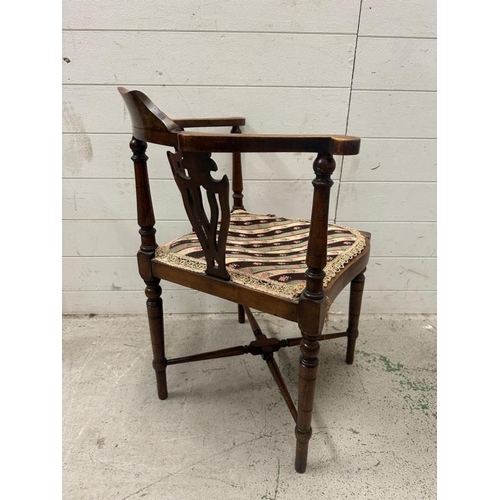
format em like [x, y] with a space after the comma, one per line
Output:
[254, 348]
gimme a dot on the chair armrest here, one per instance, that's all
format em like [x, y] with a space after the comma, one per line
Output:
[231, 121]
[260, 143]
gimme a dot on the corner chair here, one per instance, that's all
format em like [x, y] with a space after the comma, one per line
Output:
[290, 268]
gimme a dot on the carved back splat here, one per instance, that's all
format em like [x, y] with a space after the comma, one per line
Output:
[191, 173]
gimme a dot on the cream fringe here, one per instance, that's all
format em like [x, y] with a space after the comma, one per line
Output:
[288, 291]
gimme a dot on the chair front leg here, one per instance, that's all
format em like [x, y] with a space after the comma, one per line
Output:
[156, 329]
[308, 369]
[312, 304]
[355, 298]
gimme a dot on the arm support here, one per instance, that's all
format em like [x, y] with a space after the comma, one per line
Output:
[259, 143]
[231, 121]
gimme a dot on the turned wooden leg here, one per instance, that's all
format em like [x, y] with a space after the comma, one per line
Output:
[308, 370]
[356, 295]
[155, 316]
[312, 304]
[241, 314]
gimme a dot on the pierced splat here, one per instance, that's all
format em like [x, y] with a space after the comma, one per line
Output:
[191, 173]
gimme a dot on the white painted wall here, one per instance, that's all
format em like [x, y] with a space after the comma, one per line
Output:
[366, 67]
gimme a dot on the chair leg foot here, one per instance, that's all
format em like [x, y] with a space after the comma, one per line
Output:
[301, 450]
[156, 328]
[241, 314]
[355, 298]
[161, 384]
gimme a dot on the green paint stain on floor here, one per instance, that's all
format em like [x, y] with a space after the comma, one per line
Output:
[424, 402]
[364, 353]
[421, 404]
[417, 385]
[389, 366]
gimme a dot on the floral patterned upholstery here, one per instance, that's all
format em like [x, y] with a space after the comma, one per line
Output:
[266, 253]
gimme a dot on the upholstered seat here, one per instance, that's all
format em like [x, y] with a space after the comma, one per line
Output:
[267, 253]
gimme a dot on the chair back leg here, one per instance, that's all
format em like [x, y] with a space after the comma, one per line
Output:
[241, 314]
[156, 329]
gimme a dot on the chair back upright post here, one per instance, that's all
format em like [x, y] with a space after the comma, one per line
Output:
[237, 176]
[148, 122]
[145, 211]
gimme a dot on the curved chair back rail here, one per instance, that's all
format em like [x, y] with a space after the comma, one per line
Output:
[150, 124]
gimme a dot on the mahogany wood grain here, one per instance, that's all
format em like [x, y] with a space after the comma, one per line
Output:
[237, 177]
[241, 314]
[232, 121]
[267, 355]
[280, 382]
[149, 123]
[204, 356]
[312, 304]
[267, 143]
[327, 336]
[355, 298]
[146, 221]
[265, 302]
[156, 329]
[192, 173]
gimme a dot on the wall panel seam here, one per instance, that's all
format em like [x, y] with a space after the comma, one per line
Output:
[396, 90]
[203, 85]
[244, 32]
[337, 33]
[400, 36]
[348, 108]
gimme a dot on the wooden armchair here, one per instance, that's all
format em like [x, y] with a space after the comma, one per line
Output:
[290, 268]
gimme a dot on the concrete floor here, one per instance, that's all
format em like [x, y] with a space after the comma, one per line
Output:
[226, 433]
